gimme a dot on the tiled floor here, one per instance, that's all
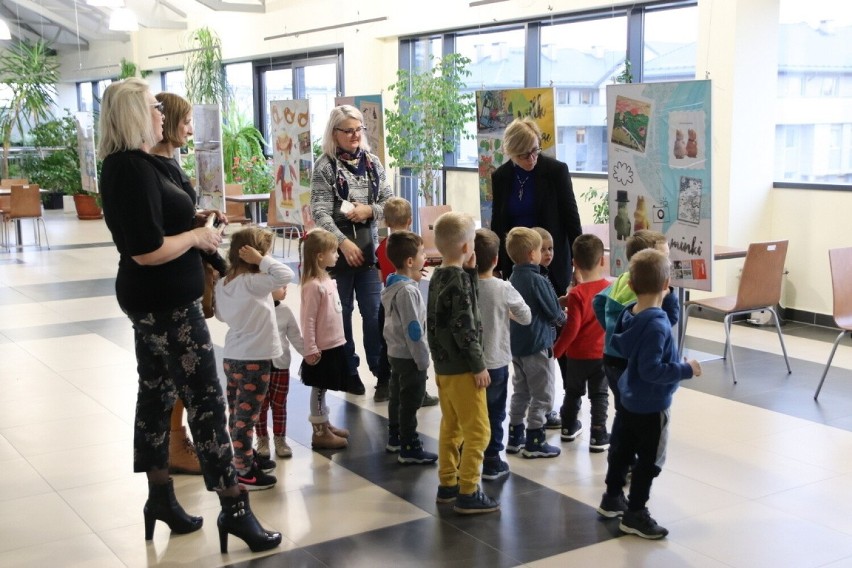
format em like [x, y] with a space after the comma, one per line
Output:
[758, 474]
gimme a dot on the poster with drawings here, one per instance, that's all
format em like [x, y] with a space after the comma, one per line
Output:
[292, 159]
[374, 120]
[659, 174]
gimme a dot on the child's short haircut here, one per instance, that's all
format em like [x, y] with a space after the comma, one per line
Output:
[403, 245]
[487, 247]
[452, 230]
[545, 235]
[587, 251]
[397, 213]
[520, 242]
[649, 271]
[643, 239]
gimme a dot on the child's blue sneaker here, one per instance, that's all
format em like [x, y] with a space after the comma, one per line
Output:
[393, 444]
[516, 439]
[475, 503]
[494, 468]
[537, 446]
[553, 421]
[412, 452]
[447, 493]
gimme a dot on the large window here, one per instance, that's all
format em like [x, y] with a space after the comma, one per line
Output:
[670, 42]
[813, 140]
[580, 58]
[174, 82]
[240, 83]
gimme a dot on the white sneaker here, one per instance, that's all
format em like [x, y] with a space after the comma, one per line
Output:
[282, 450]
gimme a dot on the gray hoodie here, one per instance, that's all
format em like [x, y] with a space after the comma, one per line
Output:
[405, 321]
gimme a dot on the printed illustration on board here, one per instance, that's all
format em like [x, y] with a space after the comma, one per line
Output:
[630, 123]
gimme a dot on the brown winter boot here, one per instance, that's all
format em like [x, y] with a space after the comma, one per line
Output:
[182, 456]
[339, 432]
[325, 439]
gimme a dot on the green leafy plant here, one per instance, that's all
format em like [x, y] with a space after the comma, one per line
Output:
[129, 69]
[599, 198]
[30, 71]
[56, 165]
[626, 75]
[242, 150]
[430, 118]
[204, 74]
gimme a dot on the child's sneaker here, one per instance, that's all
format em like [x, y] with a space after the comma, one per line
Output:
[266, 465]
[447, 493]
[570, 432]
[282, 449]
[475, 503]
[598, 440]
[263, 446]
[516, 439]
[641, 524]
[255, 480]
[393, 444]
[553, 421]
[494, 468]
[612, 507]
[537, 446]
[412, 452]
[429, 400]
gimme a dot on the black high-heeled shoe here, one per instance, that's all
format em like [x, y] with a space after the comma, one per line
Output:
[237, 519]
[162, 505]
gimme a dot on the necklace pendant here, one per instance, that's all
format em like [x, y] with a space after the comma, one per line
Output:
[521, 194]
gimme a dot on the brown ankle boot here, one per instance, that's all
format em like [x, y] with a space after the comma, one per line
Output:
[339, 432]
[182, 456]
[325, 439]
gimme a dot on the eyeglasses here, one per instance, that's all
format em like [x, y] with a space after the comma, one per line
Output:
[159, 106]
[531, 154]
[352, 131]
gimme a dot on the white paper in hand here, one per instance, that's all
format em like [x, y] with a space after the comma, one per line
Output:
[346, 207]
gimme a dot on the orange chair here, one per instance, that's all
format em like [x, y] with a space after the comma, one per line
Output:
[841, 284]
[428, 215]
[24, 203]
[759, 290]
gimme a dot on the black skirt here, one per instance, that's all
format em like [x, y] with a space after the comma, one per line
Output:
[331, 373]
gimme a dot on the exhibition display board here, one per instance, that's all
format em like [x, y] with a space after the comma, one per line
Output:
[292, 160]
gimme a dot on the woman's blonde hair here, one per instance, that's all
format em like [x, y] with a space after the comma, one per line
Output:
[521, 136]
[175, 110]
[338, 115]
[255, 237]
[316, 242]
[125, 122]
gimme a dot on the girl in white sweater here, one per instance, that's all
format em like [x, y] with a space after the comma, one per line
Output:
[244, 302]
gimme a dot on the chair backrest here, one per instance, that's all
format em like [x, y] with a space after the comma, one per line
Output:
[428, 215]
[763, 271]
[25, 202]
[841, 284]
[236, 212]
[7, 183]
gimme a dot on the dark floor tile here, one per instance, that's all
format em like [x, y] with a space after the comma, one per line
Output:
[68, 290]
[45, 331]
[297, 558]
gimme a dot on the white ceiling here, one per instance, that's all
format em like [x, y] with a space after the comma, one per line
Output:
[74, 24]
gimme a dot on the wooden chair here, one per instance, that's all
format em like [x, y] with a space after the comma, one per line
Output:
[288, 231]
[428, 215]
[841, 284]
[24, 203]
[759, 290]
[5, 200]
[235, 212]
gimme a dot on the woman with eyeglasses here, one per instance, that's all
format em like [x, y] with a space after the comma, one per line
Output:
[159, 237]
[534, 190]
[348, 194]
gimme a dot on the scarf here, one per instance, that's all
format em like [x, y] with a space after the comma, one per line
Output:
[358, 164]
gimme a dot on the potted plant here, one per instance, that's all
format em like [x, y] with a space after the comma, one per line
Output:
[430, 118]
[599, 200]
[203, 71]
[56, 165]
[30, 72]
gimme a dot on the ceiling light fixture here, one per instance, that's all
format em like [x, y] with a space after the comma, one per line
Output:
[325, 28]
[483, 3]
[4, 30]
[123, 20]
[106, 3]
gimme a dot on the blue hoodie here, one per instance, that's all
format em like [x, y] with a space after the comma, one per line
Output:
[653, 371]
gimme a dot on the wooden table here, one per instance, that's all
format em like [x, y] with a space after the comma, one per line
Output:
[254, 199]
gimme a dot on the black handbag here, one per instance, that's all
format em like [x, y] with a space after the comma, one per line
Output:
[362, 234]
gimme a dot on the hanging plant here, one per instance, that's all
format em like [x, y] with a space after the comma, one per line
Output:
[204, 74]
[31, 72]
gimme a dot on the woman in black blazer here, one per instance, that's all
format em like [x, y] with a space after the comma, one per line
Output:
[531, 190]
